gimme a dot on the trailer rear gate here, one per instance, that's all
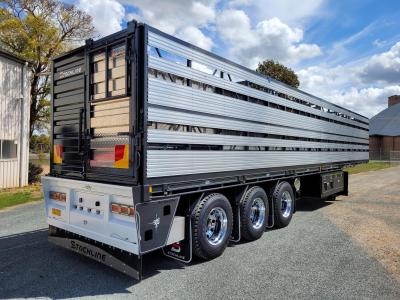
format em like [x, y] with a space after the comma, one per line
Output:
[190, 113]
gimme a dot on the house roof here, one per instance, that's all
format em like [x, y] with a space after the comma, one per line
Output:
[387, 122]
[11, 56]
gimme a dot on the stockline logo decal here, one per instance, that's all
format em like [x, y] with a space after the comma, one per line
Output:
[69, 73]
[88, 252]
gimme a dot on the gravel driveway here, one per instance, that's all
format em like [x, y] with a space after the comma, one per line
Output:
[317, 256]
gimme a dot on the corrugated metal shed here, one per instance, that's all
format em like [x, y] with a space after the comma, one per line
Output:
[387, 122]
[14, 121]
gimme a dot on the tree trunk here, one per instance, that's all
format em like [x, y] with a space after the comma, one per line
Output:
[34, 100]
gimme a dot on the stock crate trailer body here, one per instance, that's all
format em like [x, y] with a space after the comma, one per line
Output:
[158, 144]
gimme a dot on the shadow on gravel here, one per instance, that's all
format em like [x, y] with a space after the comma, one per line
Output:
[32, 267]
[310, 204]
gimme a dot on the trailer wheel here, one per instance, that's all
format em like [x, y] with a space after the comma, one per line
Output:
[253, 213]
[283, 200]
[212, 221]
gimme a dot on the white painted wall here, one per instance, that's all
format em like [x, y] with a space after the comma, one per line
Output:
[14, 120]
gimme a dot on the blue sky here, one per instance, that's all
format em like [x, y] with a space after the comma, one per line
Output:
[345, 51]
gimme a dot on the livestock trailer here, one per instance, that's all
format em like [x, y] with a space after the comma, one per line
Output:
[158, 144]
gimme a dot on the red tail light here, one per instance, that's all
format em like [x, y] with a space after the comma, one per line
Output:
[57, 156]
[121, 156]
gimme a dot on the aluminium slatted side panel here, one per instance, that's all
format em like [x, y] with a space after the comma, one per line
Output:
[162, 41]
[244, 128]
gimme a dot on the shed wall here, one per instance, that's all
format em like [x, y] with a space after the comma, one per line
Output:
[14, 121]
[380, 147]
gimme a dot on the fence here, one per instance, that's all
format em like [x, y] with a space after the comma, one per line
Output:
[392, 156]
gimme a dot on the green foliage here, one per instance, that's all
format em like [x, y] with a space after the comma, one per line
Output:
[34, 173]
[39, 144]
[37, 31]
[279, 72]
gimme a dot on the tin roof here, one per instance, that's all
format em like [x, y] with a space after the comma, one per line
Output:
[11, 56]
[387, 122]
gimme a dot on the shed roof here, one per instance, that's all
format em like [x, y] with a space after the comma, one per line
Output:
[387, 122]
[11, 56]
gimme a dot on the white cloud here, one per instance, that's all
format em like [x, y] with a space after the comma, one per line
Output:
[196, 37]
[240, 3]
[366, 101]
[269, 39]
[343, 85]
[291, 12]
[384, 67]
[323, 79]
[174, 16]
[107, 14]
[182, 18]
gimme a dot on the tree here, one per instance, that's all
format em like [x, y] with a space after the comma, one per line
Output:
[37, 31]
[39, 143]
[279, 72]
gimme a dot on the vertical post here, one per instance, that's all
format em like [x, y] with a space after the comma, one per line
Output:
[189, 64]
[21, 161]
[106, 71]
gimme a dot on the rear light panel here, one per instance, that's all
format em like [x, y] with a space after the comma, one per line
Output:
[122, 209]
[58, 154]
[62, 197]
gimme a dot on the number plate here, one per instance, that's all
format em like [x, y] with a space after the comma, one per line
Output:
[56, 212]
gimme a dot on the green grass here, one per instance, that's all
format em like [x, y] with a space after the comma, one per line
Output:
[11, 197]
[40, 162]
[371, 166]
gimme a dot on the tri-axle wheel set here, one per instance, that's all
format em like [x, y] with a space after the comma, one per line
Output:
[213, 218]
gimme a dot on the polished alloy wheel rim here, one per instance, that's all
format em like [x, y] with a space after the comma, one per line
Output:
[257, 213]
[217, 224]
[286, 204]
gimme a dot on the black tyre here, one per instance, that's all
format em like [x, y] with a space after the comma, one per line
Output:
[331, 198]
[212, 222]
[253, 213]
[283, 201]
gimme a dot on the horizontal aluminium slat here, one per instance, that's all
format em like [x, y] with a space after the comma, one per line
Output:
[60, 82]
[70, 66]
[171, 46]
[176, 137]
[190, 73]
[66, 129]
[59, 62]
[171, 116]
[71, 100]
[64, 117]
[182, 97]
[162, 163]
[68, 112]
[74, 85]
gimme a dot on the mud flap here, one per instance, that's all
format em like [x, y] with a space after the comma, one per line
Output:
[129, 264]
[235, 238]
[236, 235]
[181, 250]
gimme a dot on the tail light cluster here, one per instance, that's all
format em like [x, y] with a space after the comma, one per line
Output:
[58, 196]
[122, 209]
